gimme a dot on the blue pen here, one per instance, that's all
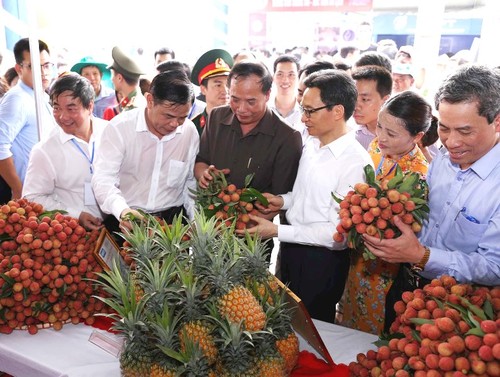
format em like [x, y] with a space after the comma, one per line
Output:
[472, 219]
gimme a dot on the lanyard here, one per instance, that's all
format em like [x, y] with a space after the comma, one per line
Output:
[379, 167]
[192, 110]
[91, 159]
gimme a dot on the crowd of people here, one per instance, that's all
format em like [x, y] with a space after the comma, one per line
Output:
[116, 142]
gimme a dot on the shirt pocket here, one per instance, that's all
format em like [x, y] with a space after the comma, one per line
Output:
[465, 234]
[177, 173]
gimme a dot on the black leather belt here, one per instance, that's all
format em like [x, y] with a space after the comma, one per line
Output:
[169, 214]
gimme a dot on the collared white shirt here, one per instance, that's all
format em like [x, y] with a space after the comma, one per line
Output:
[311, 210]
[135, 169]
[58, 169]
[293, 119]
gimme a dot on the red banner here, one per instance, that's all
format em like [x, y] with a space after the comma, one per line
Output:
[319, 5]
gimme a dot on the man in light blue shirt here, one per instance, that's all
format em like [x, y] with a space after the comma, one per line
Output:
[462, 236]
[18, 122]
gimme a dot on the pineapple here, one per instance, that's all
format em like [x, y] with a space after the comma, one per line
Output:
[271, 366]
[268, 360]
[278, 319]
[159, 371]
[135, 281]
[135, 359]
[288, 347]
[199, 333]
[256, 268]
[164, 327]
[239, 304]
[191, 359]
[191, 298]
[214, 312]
[234, 300]
[236, 348]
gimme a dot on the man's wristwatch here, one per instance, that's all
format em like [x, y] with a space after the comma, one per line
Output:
[419, 267]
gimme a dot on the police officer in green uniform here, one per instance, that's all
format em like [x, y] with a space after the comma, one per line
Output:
[210, 73]
[126, 73]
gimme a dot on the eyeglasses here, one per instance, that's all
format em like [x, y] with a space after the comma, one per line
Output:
[45, 66]
[309, 112]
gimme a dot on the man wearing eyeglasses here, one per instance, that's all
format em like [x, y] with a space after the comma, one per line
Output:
[18, 121]
[312, 263]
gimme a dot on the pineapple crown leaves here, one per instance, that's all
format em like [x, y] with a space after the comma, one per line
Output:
[170, 238]
[231, 334]
[254, 257]
[155, 275]
[142, 244]
[164, 326]
[119, 286]
[204, 233]
[193, 361]
[130, 311]
[223, 272]
[191, 295]
[279, 314]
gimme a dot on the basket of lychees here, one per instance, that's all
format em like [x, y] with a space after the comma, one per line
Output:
[371, 206]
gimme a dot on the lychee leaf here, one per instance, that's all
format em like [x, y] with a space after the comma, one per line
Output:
[475, 331]
[488, 310]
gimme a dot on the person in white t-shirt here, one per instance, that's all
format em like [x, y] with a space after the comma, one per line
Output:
[60, 168]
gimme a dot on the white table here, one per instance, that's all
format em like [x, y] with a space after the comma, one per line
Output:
[68, 353]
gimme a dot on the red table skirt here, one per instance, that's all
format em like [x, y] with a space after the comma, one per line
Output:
[310, 365]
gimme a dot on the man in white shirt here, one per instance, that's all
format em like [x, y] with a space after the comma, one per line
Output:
[60, 168]
[147, 156]
[285, 80]
[315, 266]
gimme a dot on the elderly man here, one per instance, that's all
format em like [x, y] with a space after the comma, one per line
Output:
[402, 77]
[60, 168]
[461, 237]
[246, 137]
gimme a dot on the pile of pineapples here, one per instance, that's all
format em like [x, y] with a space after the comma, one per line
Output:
[202, 305]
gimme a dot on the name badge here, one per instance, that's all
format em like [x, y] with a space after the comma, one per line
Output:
[88, 195]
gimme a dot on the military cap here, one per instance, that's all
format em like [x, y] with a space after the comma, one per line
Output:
[90, 61]
[123, 64]
[216, 62]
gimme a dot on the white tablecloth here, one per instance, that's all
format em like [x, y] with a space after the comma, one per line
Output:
[68, 353]
[50, 353]
[343, 344]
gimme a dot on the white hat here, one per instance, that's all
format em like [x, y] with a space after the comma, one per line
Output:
[403, 69]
